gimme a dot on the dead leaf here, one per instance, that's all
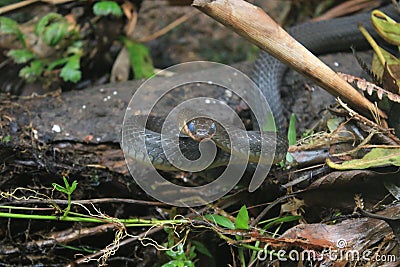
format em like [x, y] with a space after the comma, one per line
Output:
[121, 67]
[377, 157]
[352, 235]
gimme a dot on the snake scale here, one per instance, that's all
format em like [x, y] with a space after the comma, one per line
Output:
[321, 37]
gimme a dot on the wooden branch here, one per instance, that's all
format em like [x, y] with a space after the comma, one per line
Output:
[255, 25]
[25, 3]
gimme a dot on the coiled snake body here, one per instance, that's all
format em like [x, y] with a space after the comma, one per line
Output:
[320, 37]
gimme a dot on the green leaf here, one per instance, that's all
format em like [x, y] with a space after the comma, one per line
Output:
[384, 65]
[377, 157]
[140, 59]
[50, 18]
[70, 74]
[200, 247]
[32, 72]
[188, 263]
[54, 33]
[71, 70]
[269, 125]
[389, 59]
[279, 220]
[192, 253]
[387, 28]
[57, 63]
[178, 254]
[391, 64]
[292, 130]
[220, 220]
[73, 186]
[334, 123]
[105, 8]
[242, 219]
[173, 263]
[20, 55]
[74, 62]
[291, 136]
[75, 48]
[60, 188]
[169, 264]
[307, 133]
[10, 26]
[66, 183]
[5, 139]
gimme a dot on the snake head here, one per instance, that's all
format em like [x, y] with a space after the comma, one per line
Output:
[200, 129]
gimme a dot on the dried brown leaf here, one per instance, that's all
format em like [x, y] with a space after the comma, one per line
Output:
[390, 77]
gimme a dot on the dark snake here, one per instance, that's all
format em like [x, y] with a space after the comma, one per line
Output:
[320, 37]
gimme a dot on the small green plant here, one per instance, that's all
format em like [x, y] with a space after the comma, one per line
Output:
[242, 219]
[181, 255]
[58, 47]
[5, 139]
[308, 133]
[64, 48]
[68, 189]
[242, 223]
[291, 136]
[139, 56]
[291, 139]
[181, 258]
[105, 8]
[177, 254]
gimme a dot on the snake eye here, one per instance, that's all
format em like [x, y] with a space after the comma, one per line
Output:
[212, 128]
[191, 126]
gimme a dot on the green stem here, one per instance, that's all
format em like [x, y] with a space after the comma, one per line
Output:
[68, 208]
[241, 257]
[130, 222]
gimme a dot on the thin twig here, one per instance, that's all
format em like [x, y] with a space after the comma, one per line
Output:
[167, 28]
[269, 207]
[353, 151]
[380, 146]
[25, 3]
[368, 122]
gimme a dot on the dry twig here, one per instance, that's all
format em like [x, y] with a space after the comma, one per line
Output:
[167, 28]
[25, 3]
